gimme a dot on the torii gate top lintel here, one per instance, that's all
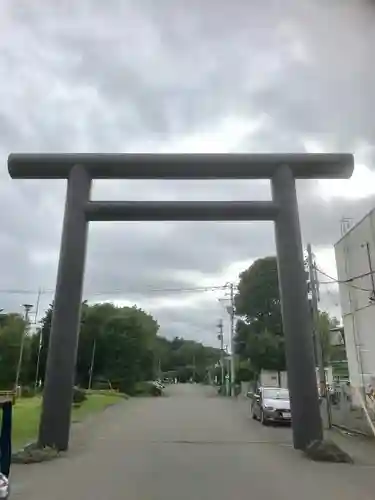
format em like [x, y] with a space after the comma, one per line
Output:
[181, 166]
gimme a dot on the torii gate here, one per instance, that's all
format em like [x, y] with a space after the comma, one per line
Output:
[80, 169]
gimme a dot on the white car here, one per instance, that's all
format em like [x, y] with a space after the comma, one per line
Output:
[4, 487]
[271, 404]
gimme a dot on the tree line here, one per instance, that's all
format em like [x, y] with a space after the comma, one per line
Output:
[118, 347]
[121, 346]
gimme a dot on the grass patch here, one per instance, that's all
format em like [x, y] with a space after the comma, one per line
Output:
[95, 403]
[26, 414]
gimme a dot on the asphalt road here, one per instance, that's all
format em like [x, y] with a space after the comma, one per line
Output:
[190, 445]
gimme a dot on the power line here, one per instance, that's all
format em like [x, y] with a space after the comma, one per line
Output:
[12, 291]
[349, 279]
[164, 290]
[347, 282]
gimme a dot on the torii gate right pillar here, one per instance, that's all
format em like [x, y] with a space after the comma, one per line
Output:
[299, 347]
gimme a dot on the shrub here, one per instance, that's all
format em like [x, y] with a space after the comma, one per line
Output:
[100, 385]
[79, 396]
[27, 392]
[147, 389]
[155, 390]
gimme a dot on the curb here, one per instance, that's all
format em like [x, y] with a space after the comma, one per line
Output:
[342, 429]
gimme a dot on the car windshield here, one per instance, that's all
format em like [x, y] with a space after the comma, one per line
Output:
[276, 393]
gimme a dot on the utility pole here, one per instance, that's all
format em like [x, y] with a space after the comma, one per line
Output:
[38, 361]
[194, 369]
[37, 306]
[27, 308]
[232, 354]
[92, 364]
[221, 338]
[314, 289]
[230, 311]
[40, 340]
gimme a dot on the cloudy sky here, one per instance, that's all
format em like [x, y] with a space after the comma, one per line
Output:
[179, 76]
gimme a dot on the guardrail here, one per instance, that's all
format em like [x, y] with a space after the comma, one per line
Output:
[6, 396]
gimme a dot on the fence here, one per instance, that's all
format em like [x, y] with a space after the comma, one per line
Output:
[353, 408]
[7, 396]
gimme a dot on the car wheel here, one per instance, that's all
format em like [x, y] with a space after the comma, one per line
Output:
[263, 419]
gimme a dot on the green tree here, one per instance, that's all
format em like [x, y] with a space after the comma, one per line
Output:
[129, 336]
[32, 362]
[124, 338]
[11, 331]
[185, 359]
[259, 333]
[45, 329]
[258, 298]
[245, 371]
[93, 320]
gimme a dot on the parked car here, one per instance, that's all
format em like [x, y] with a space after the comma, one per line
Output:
[4, 487]
[271, 404]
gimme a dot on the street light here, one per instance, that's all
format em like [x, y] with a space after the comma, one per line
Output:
[27, 308]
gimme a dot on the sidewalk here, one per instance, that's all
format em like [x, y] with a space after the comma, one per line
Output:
[360, 448]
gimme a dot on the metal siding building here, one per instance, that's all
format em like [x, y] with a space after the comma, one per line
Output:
[355, 256]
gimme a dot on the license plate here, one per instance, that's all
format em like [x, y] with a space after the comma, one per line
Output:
[287, 414]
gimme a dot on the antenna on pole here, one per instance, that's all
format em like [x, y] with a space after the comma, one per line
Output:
[345, 224]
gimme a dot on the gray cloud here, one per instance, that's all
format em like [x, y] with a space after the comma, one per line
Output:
[137, 76]
[329, 91]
